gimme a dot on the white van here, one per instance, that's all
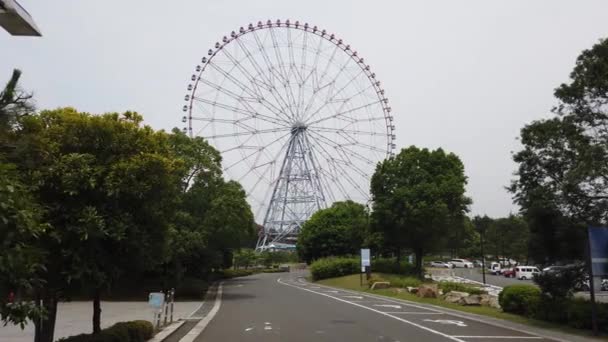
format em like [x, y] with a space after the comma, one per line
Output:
[494, 268]
[526, 272]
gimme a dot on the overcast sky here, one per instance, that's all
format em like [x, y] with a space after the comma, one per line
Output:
[462, 75]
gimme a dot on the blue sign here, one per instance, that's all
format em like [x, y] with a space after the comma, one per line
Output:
[598, 248]
[365, 259]
[156, 299]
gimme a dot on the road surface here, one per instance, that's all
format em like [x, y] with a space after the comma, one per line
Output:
[284, 307]
[497, 280]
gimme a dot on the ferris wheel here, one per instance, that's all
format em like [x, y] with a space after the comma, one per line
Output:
[298, 116]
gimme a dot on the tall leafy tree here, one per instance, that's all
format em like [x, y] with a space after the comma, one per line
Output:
[562, 178]
[337, 230]
[108, 185]
[418, 194]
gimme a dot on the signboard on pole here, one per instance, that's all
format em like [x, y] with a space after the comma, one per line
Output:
[156, 299]
[598, 250]
[365, 259]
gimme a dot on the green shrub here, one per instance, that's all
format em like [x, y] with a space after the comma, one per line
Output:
[133, 331]
[334, 267]
[389, 265]
[230, 273]
[404, 282]
[579, 314]
[519, 299]
[448, 286]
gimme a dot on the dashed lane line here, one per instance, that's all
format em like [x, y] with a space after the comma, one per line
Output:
[377, 311]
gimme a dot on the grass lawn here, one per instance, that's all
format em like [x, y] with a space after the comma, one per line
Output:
[352, 282]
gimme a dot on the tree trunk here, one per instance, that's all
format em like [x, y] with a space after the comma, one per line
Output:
[418, 253]
[97, 311]
[45, 327]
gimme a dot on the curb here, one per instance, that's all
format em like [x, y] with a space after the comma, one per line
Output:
[167, 331]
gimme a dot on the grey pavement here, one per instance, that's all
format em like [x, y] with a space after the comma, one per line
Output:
[284, 307]
[75, 318]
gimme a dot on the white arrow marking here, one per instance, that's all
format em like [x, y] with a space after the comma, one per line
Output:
[268, 327]
[388, 306]
[356, 297]
[447, 321]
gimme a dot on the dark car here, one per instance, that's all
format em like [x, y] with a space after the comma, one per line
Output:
[509, 272]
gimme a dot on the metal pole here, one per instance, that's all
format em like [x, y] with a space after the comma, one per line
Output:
[172, 303]
[591, 287]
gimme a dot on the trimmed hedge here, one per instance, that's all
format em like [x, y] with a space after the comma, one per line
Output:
[230, 273]
[519, 299]
[389, 265]
[133, 331]
[448, 286]
[404, 282]
[334, 267]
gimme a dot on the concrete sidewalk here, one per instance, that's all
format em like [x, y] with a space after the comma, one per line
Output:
[76, 318]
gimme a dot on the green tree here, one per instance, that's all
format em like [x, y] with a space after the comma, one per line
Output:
[563, 166]
[335, 231]
[245, 257]
[108, 185]
[418, 194]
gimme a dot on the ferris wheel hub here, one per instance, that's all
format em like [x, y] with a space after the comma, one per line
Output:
[298, 127]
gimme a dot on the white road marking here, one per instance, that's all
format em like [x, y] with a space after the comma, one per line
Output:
[388, 306]
[414, 312]
[504, 337]
[268, 327]
[447, 321]
[333, 291]
[377, 311]
[200, 326]
[356, 297]
[267, 323]
[249, 329]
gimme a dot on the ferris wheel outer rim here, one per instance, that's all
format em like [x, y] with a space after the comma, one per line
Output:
[383, 100]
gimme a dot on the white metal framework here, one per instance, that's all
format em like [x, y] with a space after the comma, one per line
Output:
[299, 118]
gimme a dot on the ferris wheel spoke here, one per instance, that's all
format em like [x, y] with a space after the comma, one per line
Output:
[251, 112]
[343, 172]
[321, 138]
[349, 131]
[285, 74]
[269, 64]
[344, 102]
[258, 149]
[342, 113]
[257, 98]
[254, 132]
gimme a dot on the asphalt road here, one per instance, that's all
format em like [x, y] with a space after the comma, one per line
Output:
[284, 307]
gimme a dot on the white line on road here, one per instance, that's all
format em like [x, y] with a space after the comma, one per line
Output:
[377, 311]
[249, 329]
[200, 326]
[414, 313]
[355, 297]
[388, 306]
[504, 337]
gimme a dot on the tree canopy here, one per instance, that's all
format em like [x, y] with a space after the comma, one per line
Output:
[418, 194]
[337, 230]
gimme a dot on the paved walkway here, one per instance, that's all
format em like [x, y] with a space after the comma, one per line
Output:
[75, 318]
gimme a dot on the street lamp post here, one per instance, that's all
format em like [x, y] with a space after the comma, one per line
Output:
[483, 257]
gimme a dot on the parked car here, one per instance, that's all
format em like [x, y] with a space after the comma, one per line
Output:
[494, 268]
[478, 263]
[461, 263]
[526, 272]
[551, 269]
[441, 264]
[508, 272]
[604, 285]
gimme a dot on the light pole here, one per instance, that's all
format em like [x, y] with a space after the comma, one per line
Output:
[16, 20]
[481, 225]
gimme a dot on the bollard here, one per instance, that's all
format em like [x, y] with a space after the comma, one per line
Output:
[172, 303]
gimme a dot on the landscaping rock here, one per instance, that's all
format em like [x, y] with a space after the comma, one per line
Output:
[456, 297]
[381, 285]
[428, 291]
[472, 300]
[411, 289]
[494, 302]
